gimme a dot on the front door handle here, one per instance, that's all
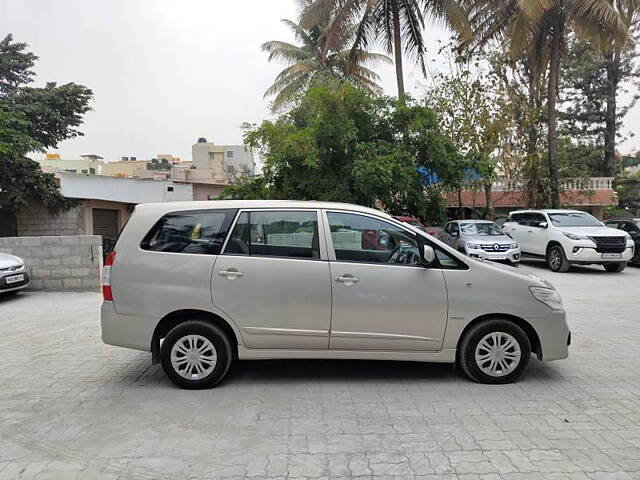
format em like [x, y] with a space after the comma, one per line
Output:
[231, 274]
[347, 279]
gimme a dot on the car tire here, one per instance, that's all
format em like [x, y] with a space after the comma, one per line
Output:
[615, 267]
[196, 355]
[557, 260]
[478, 360]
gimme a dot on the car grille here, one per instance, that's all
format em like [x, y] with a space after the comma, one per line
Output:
[491, 247]
[610, 244]
[11, 269]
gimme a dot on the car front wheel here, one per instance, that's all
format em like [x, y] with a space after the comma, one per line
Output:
[494, 351]
[557, 260]
[196, 354]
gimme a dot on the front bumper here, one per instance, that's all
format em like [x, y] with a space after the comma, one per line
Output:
[512, 255]
[588, 255]
[12, 286]
[554, 335]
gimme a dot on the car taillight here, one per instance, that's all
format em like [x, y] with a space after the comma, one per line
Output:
[106, 277]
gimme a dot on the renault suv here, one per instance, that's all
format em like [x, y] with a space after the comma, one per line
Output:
[566, 237]
[202, 284]
[481, 239]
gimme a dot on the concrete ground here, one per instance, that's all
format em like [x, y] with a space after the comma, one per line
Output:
[71, 407]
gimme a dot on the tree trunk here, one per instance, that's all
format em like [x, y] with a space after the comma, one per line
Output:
[552, 115]
[490, 212]
[613, 67]
[397, 46]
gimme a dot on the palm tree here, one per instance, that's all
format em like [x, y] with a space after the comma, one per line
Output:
[311, 63]
[539, 29]
[398, 24]
[614, 51]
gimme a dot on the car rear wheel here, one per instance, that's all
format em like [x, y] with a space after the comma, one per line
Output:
[494, 352]
[615, 267]
[556, 260]
[196, 354]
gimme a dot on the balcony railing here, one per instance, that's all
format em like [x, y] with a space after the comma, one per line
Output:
[593, 183]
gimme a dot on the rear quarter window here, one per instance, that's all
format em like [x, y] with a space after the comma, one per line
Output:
[199, 232]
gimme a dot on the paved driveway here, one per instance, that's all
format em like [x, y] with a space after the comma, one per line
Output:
[71, 407]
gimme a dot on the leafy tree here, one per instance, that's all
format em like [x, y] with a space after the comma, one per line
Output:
[539, 30]
[590, 98]
[343, 144]
[32, 119]
[397, 24]
[473, 113]
[310, 64]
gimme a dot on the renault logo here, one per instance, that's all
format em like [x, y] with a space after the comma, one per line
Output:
[496, 247]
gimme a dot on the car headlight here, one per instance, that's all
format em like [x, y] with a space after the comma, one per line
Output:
[548, 296]
[573, 236]
[513, 245]
[473, 246]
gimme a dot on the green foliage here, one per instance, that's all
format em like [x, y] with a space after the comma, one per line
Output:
[32, 119]
[343, 144]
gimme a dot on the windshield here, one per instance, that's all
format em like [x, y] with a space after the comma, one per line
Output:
[485, 229]
[574, 219]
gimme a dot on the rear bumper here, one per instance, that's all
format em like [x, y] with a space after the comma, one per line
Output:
[126, 330]
[554, 335]
[590, 255]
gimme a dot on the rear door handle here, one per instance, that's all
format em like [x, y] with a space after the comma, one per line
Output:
[347, 279]
[230, 274]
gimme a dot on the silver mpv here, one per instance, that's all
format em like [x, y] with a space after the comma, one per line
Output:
[200, 284]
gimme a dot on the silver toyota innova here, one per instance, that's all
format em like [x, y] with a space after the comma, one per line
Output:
[200, 284]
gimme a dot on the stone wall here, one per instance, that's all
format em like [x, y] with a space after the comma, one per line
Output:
[35, 219]
[59, 263]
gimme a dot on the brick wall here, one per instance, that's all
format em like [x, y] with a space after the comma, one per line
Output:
[59, 263]
[35, 219]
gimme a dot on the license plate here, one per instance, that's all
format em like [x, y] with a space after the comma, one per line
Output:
[15, 278]
[497, 257]
[611, 256]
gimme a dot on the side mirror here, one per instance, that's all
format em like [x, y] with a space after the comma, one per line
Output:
[543, 225]
[633, 234]
[427, 255]
[455, 234]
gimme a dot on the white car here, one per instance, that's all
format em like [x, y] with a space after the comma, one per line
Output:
[200, 284]
[14, 275]
[566, 237]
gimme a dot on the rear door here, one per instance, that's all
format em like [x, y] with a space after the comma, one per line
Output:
[273, 280]
[383, 299]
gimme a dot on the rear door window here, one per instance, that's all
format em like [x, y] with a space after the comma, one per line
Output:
[201, 231]
[287, 234]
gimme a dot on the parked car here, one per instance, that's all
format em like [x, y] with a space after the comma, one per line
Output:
[481, 239]
[200, 284]
[14, 275]
[566, 237]
[632, 227]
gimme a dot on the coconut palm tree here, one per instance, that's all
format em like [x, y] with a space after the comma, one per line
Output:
[397, 24]
[311, 63]
[539, 29]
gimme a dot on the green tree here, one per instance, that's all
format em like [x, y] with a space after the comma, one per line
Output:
[397, 24]
[539, 30]
[309, 64]
[343, 144]
[32, 119]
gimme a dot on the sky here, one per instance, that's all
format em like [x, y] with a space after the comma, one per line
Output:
[165, 72]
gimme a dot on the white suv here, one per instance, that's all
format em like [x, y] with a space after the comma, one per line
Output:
[200, 284]
[566, 237]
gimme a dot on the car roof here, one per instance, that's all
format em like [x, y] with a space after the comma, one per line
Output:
[167, 207]
[548, 210]
[474, 221]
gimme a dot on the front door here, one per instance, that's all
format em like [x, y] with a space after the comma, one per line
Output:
[383, 299]
[272, 282]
